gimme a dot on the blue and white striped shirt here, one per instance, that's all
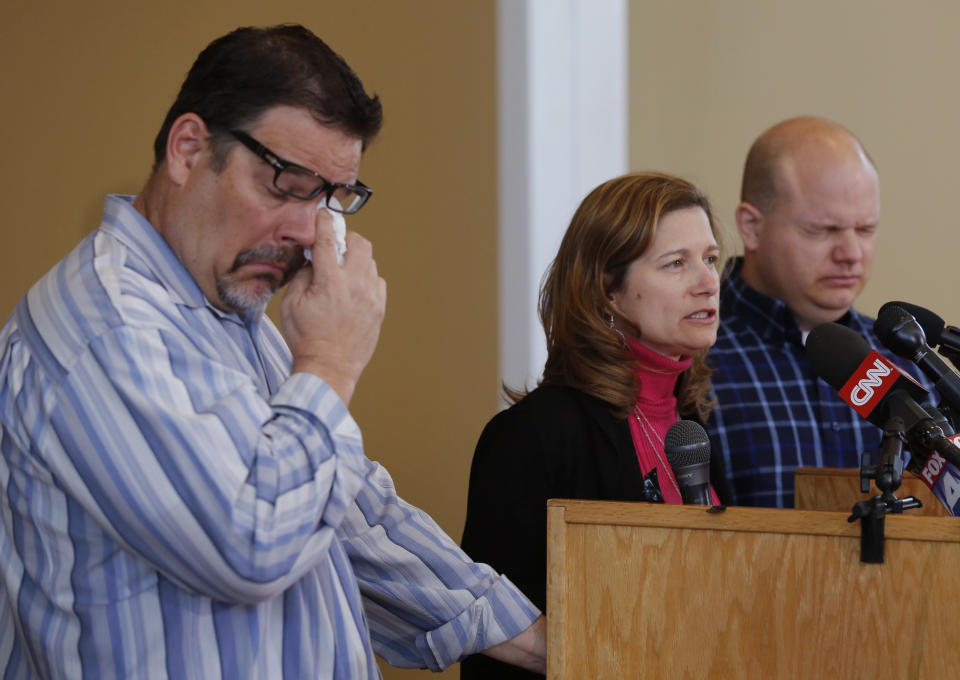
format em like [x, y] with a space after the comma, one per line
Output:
[773, 413]
[174, 504]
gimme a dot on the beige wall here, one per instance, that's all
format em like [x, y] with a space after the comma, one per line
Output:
[86, 85]
[707, 77]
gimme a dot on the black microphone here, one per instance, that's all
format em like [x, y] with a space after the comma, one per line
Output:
[900, 331]
[889, 469]
[945, 338]
[877, 388]
[687, 447]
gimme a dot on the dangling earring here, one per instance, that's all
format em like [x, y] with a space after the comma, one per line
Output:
[623, 339]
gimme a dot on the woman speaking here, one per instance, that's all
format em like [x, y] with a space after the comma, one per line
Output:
[629, 307]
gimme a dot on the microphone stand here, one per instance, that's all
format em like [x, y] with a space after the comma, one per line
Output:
[949, 416]
[888, 474]
[949, 347]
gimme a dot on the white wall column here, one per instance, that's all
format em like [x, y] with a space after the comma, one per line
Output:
[562, 75]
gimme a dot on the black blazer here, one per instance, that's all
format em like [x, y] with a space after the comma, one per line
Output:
[557, 442]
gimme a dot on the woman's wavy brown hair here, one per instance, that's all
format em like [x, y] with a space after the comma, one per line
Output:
[614, 225]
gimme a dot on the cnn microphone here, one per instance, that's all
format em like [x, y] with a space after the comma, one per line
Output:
[938, 334]
[687, 448]
[877, 388]
[900, 331]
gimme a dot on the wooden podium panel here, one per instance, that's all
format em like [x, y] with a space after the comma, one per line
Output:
[654, 591]
[838, 489]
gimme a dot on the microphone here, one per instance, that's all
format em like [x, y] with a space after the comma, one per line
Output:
[860, 374]
[877, 389]
[889, 470]
[938, 334]
[687, 448]
[900, 331]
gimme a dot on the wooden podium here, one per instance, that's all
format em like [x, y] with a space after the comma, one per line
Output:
[662, 591]
[839, 488]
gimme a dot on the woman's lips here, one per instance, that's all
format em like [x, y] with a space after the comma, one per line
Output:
[703, 316]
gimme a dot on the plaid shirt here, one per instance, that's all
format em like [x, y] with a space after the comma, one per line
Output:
[773, 413]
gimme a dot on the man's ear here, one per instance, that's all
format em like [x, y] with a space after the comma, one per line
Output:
[186, 142]
[749, 224]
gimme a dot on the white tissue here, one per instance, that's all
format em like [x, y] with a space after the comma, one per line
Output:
[339, 231]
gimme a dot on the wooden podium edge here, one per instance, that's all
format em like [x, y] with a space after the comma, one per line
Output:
[556, 588]
[757, 520]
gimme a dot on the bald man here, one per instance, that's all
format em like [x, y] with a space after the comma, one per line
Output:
[808, 218]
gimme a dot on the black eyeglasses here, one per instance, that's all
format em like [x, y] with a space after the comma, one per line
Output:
[299, 182]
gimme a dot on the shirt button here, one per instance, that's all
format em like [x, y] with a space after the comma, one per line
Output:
[836, 426]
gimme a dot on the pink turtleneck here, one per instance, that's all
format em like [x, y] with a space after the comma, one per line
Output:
[656, 379]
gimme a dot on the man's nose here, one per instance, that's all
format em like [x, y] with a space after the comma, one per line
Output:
[299, 223]
[848, 247]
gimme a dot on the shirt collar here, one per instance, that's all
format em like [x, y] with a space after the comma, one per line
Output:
[656, 374]
[125, 223]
